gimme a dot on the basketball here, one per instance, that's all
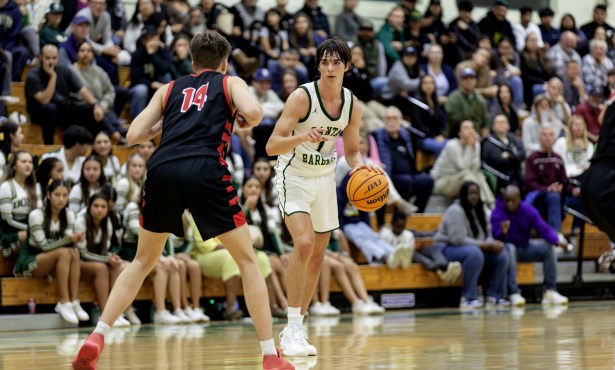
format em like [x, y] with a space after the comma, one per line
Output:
[367, 190]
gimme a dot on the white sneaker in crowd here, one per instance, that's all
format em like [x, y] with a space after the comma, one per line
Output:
[183, 318]
[361, 308]
[131, 316]
[79, 311]
[375, 307]
[470, 304]
[552, 297]
[67, 312]
[165, 318]
[317, 309]
[331, 311]
[453, 271]
[197, 315]
[121, 322]
[517, 300]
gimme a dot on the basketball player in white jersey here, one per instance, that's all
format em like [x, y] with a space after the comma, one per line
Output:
[304, 139]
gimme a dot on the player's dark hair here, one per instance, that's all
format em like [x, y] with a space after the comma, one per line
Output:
[467, 208]
[62, 216]
[90, 234]
[209, 49]
[76, 135]
[336, 46]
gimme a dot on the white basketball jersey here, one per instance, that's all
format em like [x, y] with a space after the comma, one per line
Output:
[316, 159]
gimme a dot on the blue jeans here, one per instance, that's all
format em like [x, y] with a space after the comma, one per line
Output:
[549, 204]
[516, 85]
[432, 146]
[473, 260]
[378, 85]
[535, 251]
[368, 241]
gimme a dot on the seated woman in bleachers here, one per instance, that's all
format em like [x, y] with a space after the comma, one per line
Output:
[182, 62]
[99, 84]
[575, 148]
[508, 68]
[460, 162]
[261, 169]
[430, 119]
[129, 188]
[531, 126]
[11, 138]
[189, 273]
[98, 262]
[216, 262]
[48, 169]
[91, 180]
[442, 74]
[50, 249]
[290, 82]
[273, 38]
[503, 104]
[465, 236]
[429, 257]
[18, 197]
[501, 151]
[145, 14]
[338, 263]
[268, 220]
[145, 150]
[302, 37]
[50, 32]
[103, 149]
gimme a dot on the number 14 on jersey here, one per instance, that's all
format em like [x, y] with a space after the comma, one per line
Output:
[191, 98]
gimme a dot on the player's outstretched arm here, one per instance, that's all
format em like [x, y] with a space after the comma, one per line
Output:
[295, 109]
[247, 107]
[148, 123]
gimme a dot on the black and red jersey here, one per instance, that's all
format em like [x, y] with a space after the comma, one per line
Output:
[198, 118]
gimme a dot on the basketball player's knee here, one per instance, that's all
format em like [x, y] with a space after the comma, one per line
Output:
[304, 249]
[316, 262]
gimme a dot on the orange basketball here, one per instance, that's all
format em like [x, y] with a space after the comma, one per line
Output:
[367, 190]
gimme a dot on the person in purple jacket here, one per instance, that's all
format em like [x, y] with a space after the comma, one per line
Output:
[512, 222]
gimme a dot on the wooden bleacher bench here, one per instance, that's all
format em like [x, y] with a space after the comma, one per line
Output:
[18, 291]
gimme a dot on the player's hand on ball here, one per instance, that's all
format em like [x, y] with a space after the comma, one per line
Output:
[315, 135]
[369, 167]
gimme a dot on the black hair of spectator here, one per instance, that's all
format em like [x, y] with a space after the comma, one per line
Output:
[76, 135]
[465, 5]
[209, 49]
[90, 234]
[62, 216]
[610, 72]
[178, 37]
[7, 128]
[456, 128]
[44, 170]
[525, 10]
[109, 191]
[83, 182]
[399, 216]
[102, 132]
[260, 208]
[336, 46]
[574, 24]
[512, 93]
[479, 209]
[546, 12]
[600, 7]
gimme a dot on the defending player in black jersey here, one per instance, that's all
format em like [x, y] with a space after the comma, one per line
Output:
[195, 115]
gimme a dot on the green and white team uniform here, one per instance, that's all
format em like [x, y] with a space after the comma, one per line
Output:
[14, 209]
[305, 178]
[37, 242]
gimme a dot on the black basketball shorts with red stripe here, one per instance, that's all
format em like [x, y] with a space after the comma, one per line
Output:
[200, 184]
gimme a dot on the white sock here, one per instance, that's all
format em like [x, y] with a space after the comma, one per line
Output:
[295, 316]
[268, 347]
[102, 328]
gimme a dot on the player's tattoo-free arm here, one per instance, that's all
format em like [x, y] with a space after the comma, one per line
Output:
[247, 106]
[143, 127]
[295, 109]
[352, 137]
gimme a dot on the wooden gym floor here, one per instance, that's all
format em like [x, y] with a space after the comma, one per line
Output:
[579, 337]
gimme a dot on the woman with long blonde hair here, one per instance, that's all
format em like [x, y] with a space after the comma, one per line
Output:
[575, 148]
